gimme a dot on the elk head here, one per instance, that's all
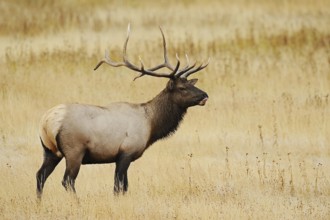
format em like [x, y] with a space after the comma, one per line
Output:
[181, 90]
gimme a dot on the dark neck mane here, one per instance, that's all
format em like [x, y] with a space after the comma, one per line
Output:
[165, 116]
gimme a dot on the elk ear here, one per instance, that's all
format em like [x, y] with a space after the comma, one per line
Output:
[170, 85]
[192, 81]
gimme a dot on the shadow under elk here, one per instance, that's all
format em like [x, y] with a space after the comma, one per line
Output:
[118, 133]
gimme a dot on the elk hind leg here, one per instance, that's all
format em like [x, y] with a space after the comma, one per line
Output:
[48, 166]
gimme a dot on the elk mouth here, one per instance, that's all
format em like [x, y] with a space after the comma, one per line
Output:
[203, 101]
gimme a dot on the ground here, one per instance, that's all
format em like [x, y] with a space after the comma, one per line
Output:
[260, 147]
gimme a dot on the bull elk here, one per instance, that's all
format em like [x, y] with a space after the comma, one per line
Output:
[118, 133]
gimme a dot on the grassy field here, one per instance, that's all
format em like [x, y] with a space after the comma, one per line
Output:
[259, 149]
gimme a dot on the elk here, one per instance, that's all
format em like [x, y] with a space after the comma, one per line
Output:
[120, 132]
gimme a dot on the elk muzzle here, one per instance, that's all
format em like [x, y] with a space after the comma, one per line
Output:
[203, 100]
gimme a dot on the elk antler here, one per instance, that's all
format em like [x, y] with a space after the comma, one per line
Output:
[175, 72]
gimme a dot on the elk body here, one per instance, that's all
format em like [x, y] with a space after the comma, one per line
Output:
[118, 133]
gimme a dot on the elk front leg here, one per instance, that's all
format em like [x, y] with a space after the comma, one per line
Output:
[121, 180]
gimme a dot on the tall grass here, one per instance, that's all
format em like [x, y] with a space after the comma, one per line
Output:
[258, 149]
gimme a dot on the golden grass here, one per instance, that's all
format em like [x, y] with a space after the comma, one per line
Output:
[259, 149]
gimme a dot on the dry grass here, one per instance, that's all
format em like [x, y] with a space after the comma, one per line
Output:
[259, 149]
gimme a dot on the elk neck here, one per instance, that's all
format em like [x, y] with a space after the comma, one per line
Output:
[164, 116]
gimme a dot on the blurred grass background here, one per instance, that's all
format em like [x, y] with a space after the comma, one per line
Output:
[259, 148]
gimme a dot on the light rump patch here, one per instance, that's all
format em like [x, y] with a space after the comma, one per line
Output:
[50, 125]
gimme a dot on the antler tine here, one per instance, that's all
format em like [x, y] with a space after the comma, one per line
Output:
[172, 75]
[125, 59]
[186, 68]
[166, 60]
[188, 63]
[126, 41]
[99, 64]
[125, 44]
[199, 68]
[108, 61]
[168, 65]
